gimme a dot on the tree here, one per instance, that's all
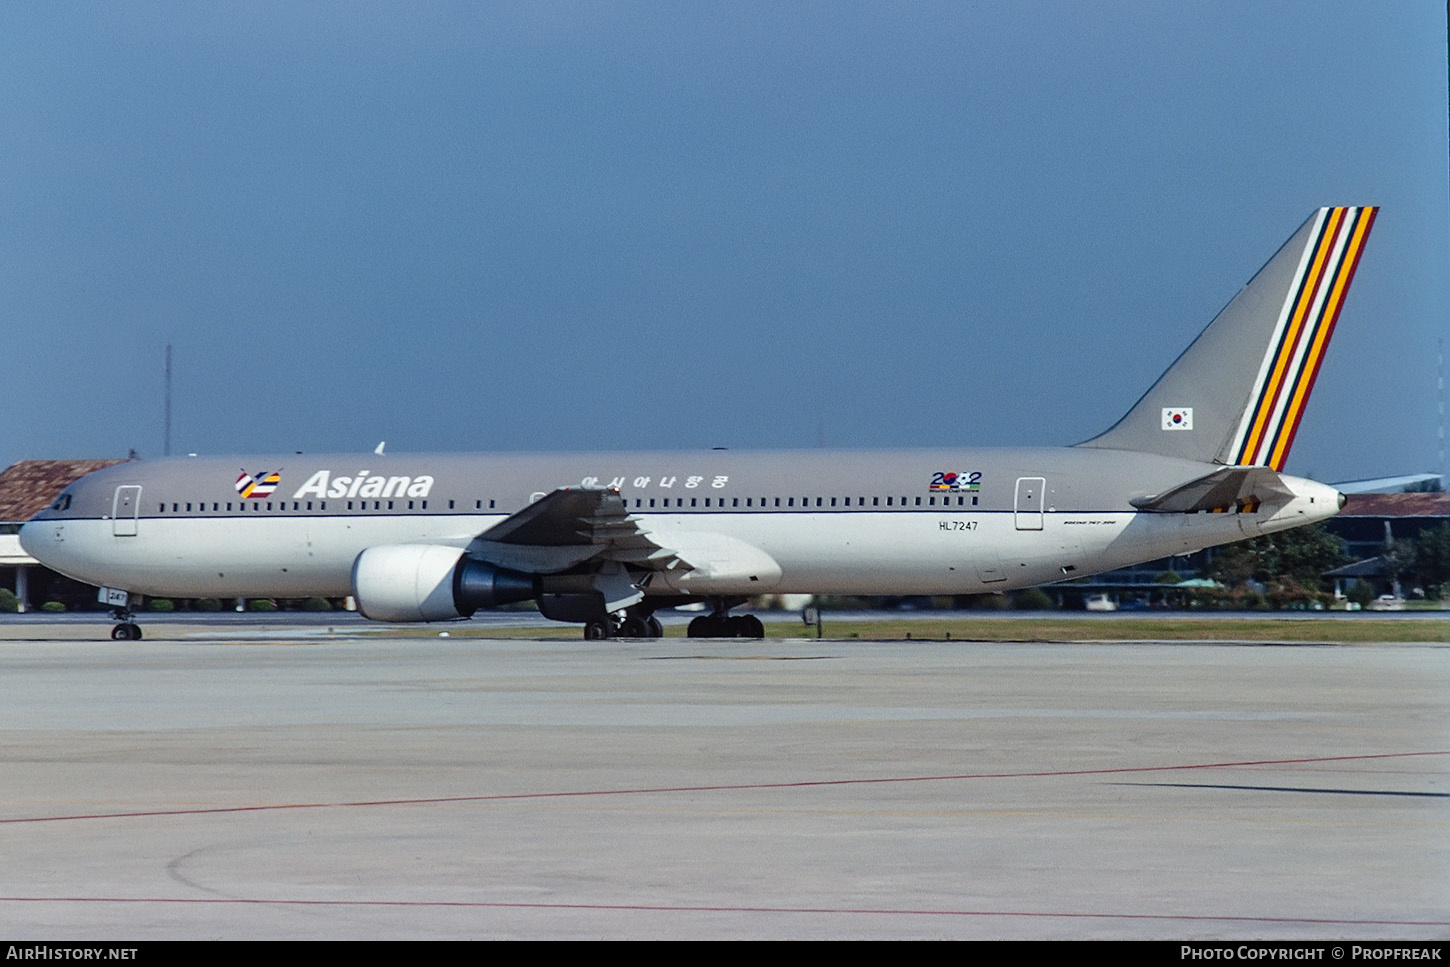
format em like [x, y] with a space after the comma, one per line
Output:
[1361, 593]
[1430, 554]
[1289, 563]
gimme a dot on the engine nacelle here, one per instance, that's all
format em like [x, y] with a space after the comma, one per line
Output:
[431, 582]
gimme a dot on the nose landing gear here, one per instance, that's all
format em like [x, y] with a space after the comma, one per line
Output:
[128, 629]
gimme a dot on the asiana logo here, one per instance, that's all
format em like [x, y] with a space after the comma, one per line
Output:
[324, 484]
[262, 485]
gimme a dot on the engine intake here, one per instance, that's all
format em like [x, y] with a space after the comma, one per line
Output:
[431, 582]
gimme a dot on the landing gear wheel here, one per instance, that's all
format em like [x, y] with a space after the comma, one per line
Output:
[126, 632]
[634, 626]
[600, 630]
[702, 627]
[747, 626]
[656, 630]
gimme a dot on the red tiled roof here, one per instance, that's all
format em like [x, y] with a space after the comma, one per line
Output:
[1397, 505]
[28, 487]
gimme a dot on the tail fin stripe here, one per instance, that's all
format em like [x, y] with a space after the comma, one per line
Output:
[1306, 361]
[1272, 371]
[1289, 367]
[1305, 383]
[1312, 310]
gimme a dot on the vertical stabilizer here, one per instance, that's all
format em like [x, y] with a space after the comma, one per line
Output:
[1237, 394]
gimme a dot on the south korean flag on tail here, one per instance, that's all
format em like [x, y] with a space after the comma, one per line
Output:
[1177, 417]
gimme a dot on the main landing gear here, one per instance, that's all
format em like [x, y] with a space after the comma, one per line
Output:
[128, 629]
[721, 625]
[636, 622]
[629, 623]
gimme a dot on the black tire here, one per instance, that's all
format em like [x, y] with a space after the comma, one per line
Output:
[121, 633]
[656, 630]
[598, 630]
[712, 626]
[751, 627]
[634, 627]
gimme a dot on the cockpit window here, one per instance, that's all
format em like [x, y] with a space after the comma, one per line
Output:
[61, 503]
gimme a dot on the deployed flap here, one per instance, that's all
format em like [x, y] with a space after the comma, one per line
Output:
[1239, 488]
[566, 528]
[723, 561]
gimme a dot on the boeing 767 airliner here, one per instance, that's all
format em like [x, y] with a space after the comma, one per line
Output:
[606, 539]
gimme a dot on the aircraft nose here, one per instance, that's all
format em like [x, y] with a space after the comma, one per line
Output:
[25, 531]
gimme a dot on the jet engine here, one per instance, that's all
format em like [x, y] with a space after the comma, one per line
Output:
[431, 582]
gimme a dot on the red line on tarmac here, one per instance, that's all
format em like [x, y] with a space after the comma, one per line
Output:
[729, 787]
[703, 908]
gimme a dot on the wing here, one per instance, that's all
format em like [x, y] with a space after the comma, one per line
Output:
[568, 528]
[590, 533]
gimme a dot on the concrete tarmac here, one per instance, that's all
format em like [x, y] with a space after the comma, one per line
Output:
[296, 785]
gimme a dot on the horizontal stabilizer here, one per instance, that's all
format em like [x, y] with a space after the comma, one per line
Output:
[1232, 488]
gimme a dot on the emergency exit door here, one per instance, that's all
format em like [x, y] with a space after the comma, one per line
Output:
[1028, 505]
[125, 510]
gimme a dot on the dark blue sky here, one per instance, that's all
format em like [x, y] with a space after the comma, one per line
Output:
[560, 226]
